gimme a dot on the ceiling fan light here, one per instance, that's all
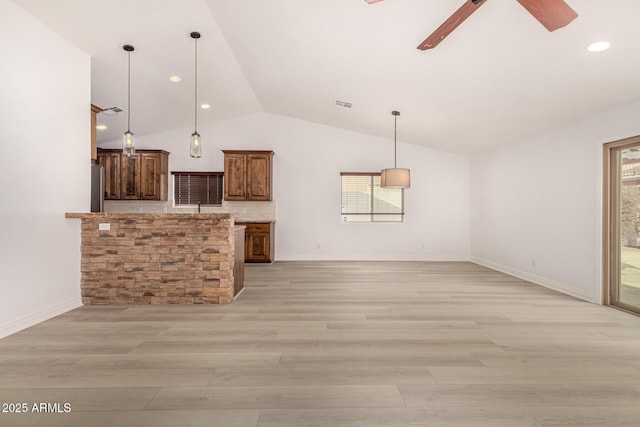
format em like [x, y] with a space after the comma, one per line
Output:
[395, 178]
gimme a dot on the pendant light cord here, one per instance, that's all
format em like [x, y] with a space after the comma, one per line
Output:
[195, 105]
[129, 94]
[395, 140]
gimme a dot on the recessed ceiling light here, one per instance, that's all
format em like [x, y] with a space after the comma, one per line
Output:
[175, 79]
[205, 106]
[599, 46]
[101, 127]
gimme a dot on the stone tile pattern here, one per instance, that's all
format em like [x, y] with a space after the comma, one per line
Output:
[157, 259]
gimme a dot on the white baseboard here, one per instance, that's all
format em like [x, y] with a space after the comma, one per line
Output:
[24, 323]
[441, 258]
[542, 281]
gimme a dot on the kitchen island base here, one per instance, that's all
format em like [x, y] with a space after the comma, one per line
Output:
[157, 258]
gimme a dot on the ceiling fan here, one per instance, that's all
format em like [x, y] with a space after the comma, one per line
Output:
[553, 14]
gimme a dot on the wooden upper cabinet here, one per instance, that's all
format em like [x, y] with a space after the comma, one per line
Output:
[110, 161]
[235, 172]
[143, 177]
[130, 177]
[248, 175]
[153, 178]
[258, 177]
[94, 137]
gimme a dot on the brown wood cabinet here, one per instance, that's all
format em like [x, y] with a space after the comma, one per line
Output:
[238, 261]
[259, 239]
[143, 177]
[94, 137]
[248, 175]
[112, 173]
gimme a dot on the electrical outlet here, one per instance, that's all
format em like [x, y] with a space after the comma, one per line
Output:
[104, 227]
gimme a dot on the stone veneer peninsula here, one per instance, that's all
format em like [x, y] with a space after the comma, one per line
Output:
[157, 258]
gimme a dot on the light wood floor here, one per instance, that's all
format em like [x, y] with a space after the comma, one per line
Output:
[336, 344]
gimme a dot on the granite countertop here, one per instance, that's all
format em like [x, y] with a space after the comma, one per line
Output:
[107, 215]
[267, 221]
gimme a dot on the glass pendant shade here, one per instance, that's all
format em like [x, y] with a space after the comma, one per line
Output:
[196, 148]
[128, 144]
[395, 178]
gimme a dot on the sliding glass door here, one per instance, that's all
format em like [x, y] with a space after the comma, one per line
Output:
[622, 224]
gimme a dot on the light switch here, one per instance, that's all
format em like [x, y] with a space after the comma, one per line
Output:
[104, 227]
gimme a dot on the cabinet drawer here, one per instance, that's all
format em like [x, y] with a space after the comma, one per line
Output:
[258, 227]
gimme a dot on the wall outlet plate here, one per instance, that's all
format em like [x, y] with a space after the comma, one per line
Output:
[104, 227]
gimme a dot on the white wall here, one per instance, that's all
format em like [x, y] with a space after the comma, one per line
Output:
[307, 164]
[44, 169]
[540, 198]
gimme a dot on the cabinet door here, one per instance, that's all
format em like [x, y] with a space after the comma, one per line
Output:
[258, 176]
[130, 177]
[111, 164]
[94, 121]
[258, 247]
[235, 166]
[150, 174]
[258, 242]
[238, 262]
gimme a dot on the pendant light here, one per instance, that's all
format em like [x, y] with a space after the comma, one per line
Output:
[196, 145]
[395, 177]
[128, 143]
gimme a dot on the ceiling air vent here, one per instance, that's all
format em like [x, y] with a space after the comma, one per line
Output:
[343, 104]
[112, 111]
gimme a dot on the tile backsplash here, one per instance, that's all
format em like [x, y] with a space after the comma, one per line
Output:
[242, 211]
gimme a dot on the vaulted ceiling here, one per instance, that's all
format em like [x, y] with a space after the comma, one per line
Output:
[499, 77]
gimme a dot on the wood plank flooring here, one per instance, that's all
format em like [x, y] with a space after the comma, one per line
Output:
[336, 344]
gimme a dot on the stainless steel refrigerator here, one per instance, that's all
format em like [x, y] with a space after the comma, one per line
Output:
[97, 188]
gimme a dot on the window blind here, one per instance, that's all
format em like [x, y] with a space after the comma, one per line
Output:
[363, 200]
[191, 188]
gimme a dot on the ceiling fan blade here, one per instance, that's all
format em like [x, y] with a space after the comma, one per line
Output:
[372, 1]
[451, 24]
[553, 14]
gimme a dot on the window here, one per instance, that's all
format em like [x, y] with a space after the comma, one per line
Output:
[191, 188]
[363, 200]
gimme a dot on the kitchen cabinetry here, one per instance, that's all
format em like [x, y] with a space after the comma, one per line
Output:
[247, 175]
[238, 262]
[143, 177]
[110, 161]
[258, 241]
[94, 121]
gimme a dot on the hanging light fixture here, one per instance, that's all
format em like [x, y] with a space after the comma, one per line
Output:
[196, 146]
[128, 143]
[395, 177]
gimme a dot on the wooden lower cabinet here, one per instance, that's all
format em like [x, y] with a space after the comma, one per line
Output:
[238, 262]
[258, 241]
